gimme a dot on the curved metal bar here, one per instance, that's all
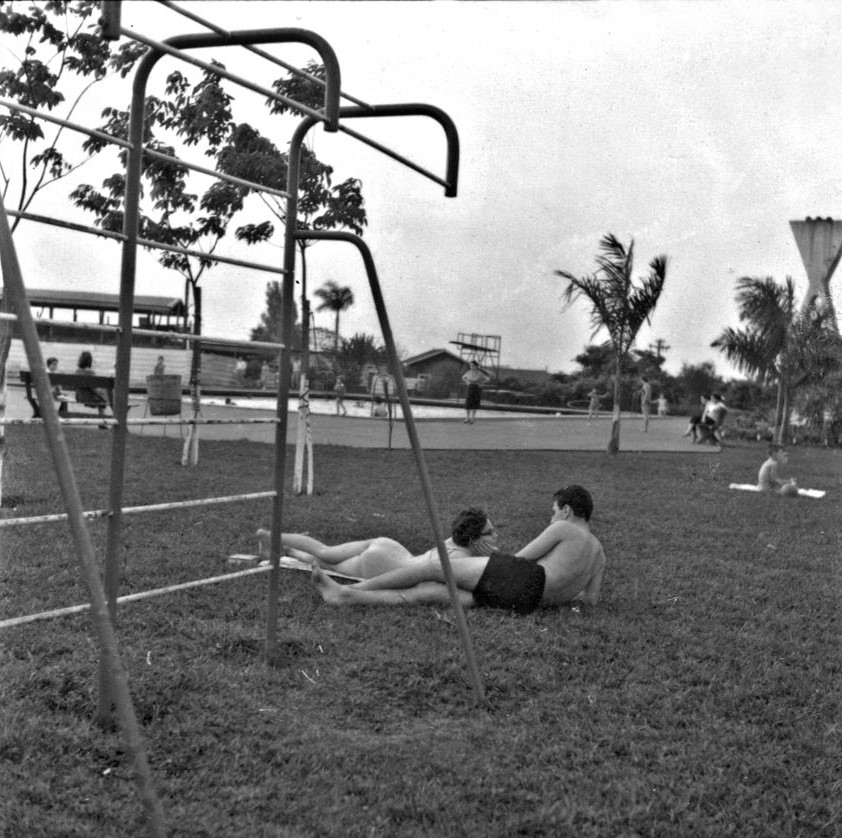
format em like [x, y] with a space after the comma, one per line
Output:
[412, 432]
[176, 45]
[451, 178]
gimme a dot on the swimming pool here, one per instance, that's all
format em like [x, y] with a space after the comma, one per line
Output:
[327, 407]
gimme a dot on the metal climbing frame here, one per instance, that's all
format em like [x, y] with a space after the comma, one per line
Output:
[113, 687]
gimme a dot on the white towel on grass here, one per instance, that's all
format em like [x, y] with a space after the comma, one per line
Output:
[286, 563]
[752, 487]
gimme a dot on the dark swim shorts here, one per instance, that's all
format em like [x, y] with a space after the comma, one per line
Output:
[510, 582]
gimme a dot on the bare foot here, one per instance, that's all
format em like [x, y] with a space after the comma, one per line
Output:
[300, 555]
[332, 592]
[264, 544]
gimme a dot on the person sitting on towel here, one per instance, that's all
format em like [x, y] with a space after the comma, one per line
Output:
[565, 563]
[471, 534]
[768, 479]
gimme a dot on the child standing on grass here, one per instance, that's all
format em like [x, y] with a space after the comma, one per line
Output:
[339, 394]
[593, 405]
[768, 479]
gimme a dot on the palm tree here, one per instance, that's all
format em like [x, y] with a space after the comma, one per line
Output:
[336, 298]
[618, 305]
[779, 343]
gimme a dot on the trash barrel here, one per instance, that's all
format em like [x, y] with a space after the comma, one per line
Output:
[163, 393]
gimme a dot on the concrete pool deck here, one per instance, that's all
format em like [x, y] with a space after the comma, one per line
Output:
[528, 432]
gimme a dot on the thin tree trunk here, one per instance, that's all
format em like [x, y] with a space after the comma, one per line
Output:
[779, 405]
[190, 452]
[614, 441]
[784, 436]
[303, 439]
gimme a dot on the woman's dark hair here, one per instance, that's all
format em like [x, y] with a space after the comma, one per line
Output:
[86, 360]
[467, 526]
[577, 498]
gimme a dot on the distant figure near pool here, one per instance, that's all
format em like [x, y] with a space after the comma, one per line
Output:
[474, 378]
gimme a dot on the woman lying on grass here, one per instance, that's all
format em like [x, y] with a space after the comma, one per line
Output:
[471, 534]
[565, 563]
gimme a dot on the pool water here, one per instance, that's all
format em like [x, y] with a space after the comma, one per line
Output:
[327, 407]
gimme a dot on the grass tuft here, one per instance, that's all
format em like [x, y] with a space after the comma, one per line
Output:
[701, 697]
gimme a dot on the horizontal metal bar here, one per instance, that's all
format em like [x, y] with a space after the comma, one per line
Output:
[149, 152]
[257, 51]
[80, 609]
[96, 231]
[187, 337]
[214, 173]
[108, 420]
[393, 154]
[219, 71]
[135, 510]
[66, 123]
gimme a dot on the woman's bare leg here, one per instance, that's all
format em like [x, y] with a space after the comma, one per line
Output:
[427, 593]
[466, 573]
[353, 558]
[313, 547]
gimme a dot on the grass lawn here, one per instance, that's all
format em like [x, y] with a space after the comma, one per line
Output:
[700, 698]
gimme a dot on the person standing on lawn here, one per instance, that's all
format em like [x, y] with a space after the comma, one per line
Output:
[474, 378]
[565, 563]
[645, 400]
[339, 394]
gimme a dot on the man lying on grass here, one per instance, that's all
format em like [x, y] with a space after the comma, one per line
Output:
[471, 534]
[563, 564]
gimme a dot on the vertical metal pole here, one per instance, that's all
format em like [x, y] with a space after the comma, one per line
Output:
[109, 655]
[282, 410]
[412, 432]
[131, 220]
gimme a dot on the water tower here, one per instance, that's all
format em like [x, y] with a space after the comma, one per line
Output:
[819, 242]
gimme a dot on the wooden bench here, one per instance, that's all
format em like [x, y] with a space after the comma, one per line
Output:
[72, 382]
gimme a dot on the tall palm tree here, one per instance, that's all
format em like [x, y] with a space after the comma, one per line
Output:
[779, 343]
[336, 298]
[618, 305]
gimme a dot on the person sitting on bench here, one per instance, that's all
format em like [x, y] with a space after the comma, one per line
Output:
[471, 534]
[564, 564]
[89, 396]
[58, 395]
[711, 423]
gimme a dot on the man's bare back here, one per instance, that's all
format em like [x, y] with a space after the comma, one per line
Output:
[574, 566]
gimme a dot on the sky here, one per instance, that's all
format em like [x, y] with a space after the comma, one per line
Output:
[697, 129]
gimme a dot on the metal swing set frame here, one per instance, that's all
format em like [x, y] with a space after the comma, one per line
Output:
[113, 687]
